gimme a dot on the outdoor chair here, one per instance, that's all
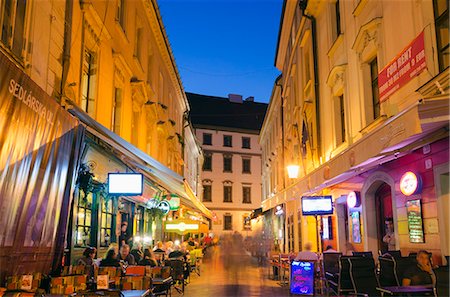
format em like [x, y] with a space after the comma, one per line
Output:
[363, 276]
[388, 271]
[330, 264]
[363, 254]
[177, 273]
[395, 254]
[344, 283]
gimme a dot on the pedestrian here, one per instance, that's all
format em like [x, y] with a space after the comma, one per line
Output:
[307, 254]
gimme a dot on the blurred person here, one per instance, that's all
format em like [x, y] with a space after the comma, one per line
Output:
[148, 259]
[125, 255]
[389, 238]
[159, 247]
[88, 261]
[169, 247]
[138, 252]
[328, 249]
[177, 253]
[111, 259]
[422, 273]
[307, 254]
[124, 237]
[349, 249]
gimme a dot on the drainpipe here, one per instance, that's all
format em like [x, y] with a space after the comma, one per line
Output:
[312, 19]
[278, 84]
[67, 44]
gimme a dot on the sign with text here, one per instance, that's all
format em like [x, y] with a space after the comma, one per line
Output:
[302, 278]
[415, 223]
[406, 65]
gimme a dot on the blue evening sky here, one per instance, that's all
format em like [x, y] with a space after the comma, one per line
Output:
[224, 46]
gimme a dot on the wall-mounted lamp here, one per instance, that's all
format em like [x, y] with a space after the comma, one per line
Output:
[293, 171]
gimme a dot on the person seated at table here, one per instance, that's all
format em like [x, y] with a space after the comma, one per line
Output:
[111, 259]
[88, 260]
[177, 253]
[328, 249]
[307, 254]
[422, 273]
[138, 252]
[169, 247]
[149, 259]
[125, 255]
[159, 247]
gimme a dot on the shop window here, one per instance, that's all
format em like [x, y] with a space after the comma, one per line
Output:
[375, 92]
[246, 142]
[207, 138]
[88, 83]
[246, 194]
[146, 222]
[441, 19]
[83, 221]
[139, 221]
[227, 140]
[227, 193]
[227, 163]
[106, 226]
[207, 190]
[340, 119]
[117, 110]
[246, 162]
[120, 13]
[12, 19]
[207, 162]
[227, 222]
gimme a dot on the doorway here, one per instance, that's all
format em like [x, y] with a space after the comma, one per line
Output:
[342, 224]
[384, 218]
[441, 177]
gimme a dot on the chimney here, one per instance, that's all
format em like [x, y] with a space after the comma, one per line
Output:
[250, 99]
[235, 98]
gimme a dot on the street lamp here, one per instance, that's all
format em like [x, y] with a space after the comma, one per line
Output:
[293, 171]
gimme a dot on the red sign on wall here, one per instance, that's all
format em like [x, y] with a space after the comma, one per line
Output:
[406, 65]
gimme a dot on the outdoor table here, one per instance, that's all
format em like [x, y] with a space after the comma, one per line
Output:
[161, 281]
[135, 293]
[398, 290]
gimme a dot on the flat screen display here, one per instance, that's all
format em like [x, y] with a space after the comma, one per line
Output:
[317, 205]
[125, 184]
[302, 278]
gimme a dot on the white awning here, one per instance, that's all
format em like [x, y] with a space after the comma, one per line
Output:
[152, 169]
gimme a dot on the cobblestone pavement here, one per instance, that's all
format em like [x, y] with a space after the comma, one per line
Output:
[229, 272]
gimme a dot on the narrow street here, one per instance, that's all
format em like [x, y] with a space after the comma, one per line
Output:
[232, 274]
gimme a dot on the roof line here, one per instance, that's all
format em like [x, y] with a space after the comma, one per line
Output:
[279, 32]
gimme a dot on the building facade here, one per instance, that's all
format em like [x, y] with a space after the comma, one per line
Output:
[228, 129]
[364, 99]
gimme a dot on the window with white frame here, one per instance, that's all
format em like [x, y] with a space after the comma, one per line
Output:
[89, 83]
[246, 194]
[13, 21]
[228, 192]
[227, 222]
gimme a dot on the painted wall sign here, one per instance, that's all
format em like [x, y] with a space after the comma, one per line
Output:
[406, 65]
[410, 184]
[415, 222]
[353, 199]
[302, 278]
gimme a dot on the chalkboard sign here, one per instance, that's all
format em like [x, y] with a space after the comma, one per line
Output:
[415, 223]
[302, 278]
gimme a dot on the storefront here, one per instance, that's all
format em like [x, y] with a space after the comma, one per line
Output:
[39, 145]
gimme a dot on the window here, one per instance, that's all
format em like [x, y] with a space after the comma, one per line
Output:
[227, 190]
[227, 141]
[207, 193]
[88, 83]
[246, 194]
[117, 110]
[149, 68]
[340, 119]
[227, 163]
[12, 19]
[442, 32]
[84, 216]
[228, 222]
[207, 138]
[106, 227]
[375, 91]
[246, 165]
[120, 13]
[247, 226]
[246, 142]
[207, 162]
[336, 20]
[138, 43]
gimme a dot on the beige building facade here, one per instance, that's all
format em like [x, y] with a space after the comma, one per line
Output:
[334, 113]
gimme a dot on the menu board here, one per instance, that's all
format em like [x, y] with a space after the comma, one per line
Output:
[415, 223]
[356, 227]
[302, 278]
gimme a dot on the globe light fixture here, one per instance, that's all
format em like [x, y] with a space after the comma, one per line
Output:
[293, 171]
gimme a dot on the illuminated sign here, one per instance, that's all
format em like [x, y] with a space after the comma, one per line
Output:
[410, 184]
[164, 206]
[181, 227]
[317, 205]
[302, 278]
[125, 184]
[353, 199]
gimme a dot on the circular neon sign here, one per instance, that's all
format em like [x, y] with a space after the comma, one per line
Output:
[410, 184]
[353, 199]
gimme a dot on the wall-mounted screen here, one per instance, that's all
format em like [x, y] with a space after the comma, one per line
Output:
[317, 205]
[125, 184]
